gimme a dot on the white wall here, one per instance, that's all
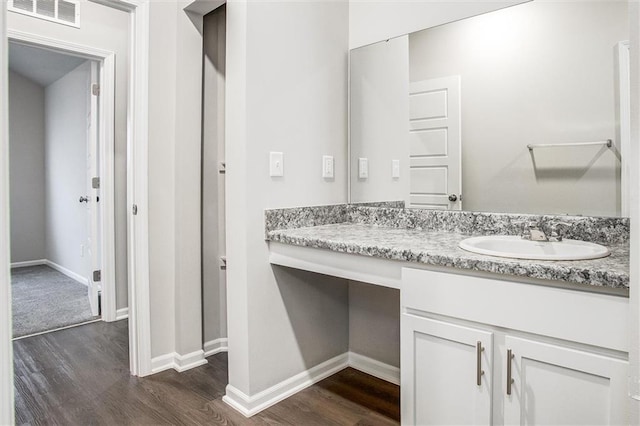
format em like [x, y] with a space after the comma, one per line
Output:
[66, 116]
[105, 28]
[374, 322]
[286, 91]
[214, 303]
[372, 21]
[541, 72]
[379, 117]
[27, 180]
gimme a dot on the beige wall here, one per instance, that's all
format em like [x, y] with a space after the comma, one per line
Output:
[541, 72]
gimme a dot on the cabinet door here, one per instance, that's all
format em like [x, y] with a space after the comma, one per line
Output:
[557, 385]
[446, 373]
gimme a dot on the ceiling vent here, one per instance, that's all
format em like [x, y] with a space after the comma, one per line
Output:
[65, 12]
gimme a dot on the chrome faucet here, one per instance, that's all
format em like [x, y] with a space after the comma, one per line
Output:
[533, 231]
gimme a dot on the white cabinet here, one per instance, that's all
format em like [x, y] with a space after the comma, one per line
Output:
[450, 378]
[454, 327]
[553, 384]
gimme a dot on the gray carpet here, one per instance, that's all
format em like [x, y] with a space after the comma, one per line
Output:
[45, 299]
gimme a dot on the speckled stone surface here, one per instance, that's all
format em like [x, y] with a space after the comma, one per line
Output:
[440, 248]
[602, 230]
[431, 237]
[385, 204]
[298, 217]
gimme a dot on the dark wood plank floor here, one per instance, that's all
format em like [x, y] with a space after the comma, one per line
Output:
[80, 376]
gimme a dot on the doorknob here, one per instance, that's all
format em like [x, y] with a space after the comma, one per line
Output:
[84, 199]
[453, 197]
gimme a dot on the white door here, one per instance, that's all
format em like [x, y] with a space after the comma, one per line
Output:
[556, 385]
[434, 144]
[92, 197]
[446, 373]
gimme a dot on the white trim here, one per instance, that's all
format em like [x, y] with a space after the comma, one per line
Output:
[68, 272]
[57, 329]
[28, 263]
[6, 353]
[178, 362]
[624, 109]
[213, 347]
[249, 406]
[375, 368]
[137, 192]
[122, 313]
[106, 102]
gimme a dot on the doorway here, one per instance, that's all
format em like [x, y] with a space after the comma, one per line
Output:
[53, 141]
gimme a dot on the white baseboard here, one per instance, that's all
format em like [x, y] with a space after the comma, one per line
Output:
[178, 362]
[378, 369]
[213, 347]
[67, 272]
[28, 263]
[249, 406]
[122, 313]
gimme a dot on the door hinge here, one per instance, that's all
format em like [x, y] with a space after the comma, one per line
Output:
[97, 276]
[95, 183]
[95, 89]
[223, 168]
[223, 262]
[135, 209]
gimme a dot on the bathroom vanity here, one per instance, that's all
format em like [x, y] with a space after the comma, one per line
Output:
[484, 339]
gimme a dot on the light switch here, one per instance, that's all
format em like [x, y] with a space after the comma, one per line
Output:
[363, 168]
[395, 169]
[327, 166]
[276, 164]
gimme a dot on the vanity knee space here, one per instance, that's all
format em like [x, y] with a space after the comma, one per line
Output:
[478, 350]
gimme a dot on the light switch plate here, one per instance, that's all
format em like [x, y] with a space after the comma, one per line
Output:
[395, 169]
[363, 168]
[327, 166]
[276, 164]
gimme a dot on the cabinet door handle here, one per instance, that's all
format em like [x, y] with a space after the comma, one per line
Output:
[509, 379]
[479, 371]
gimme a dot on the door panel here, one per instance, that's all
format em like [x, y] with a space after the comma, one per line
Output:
[434, 143]
[560, 385]
[440, 371]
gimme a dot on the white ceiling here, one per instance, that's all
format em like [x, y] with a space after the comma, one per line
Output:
[40, 65]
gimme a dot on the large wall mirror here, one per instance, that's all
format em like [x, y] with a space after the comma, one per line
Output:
[510, 111]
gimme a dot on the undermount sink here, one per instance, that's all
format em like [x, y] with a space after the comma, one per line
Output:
[518, 248]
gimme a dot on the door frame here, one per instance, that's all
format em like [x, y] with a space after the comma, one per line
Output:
[106, 143]
[137, 192]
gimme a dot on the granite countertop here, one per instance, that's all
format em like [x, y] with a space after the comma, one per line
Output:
[440, 248]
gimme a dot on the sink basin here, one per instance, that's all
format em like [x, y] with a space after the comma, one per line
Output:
[518, 248]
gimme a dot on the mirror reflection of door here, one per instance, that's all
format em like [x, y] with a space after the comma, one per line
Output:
[434, 144]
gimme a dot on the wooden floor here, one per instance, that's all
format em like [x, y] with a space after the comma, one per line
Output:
[80, 376]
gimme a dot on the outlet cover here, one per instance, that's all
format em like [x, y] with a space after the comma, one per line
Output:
[327, 167]
[363, 168]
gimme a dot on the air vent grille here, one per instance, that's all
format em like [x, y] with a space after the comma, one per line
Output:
[65, 12]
